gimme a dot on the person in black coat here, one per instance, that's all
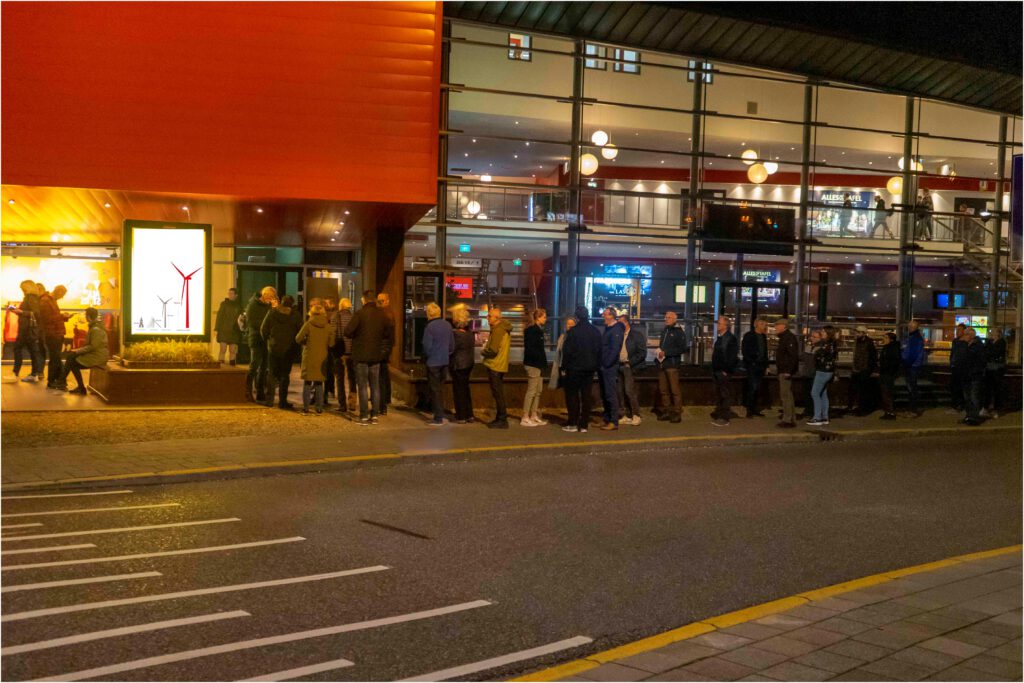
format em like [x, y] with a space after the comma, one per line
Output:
[581, 358]
[995, 371]
[631, 359]
[865, 362]
[957, 351]
[974, 360]
[890, 362]
[371, 333]
[787, 365]
[462, 364]
[670, 352]
[724, 359]
[280, 326]
[612, 341]
[755, 359]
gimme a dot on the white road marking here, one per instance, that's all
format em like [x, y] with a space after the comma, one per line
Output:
[20, 526]
[65, 495]
[48, 549]
[77, 582]
[84, 606]
[467, 669]
[147, 527]
[261, 642]
[291, 674]
[75, 512]
[165, 553]
[115, 632]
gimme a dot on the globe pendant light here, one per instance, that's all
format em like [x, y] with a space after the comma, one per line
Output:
[749, 157]
[771, 167]
[757, 173]
[473, 208]
[588, 164]
[895, 185]
[599, 138]
[609, 151]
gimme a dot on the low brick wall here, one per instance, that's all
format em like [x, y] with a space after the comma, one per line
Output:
[205, 386]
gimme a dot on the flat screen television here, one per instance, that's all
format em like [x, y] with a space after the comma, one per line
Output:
[748, 230]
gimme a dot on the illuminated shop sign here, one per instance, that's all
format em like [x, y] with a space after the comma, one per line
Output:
[859, 200]
[166, 270]
[761, 276]
[462, 286]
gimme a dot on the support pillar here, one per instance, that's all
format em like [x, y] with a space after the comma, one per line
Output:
[904, 299]
[383, 259]
[572, 265]
[556, 292]
[441, 210]
[997, 229]
[802, 288]
[695, 209]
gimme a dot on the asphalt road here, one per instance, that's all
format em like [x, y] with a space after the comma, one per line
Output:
[612, 546]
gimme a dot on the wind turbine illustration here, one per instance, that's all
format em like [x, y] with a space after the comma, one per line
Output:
[185, 281]
[165, 302]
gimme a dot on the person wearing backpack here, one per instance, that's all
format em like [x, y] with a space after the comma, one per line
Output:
[316, 338]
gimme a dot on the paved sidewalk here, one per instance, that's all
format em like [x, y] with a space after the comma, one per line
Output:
[960, 621]
[287, 441]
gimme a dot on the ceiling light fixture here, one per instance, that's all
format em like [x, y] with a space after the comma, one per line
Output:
[757, 173]
[609, 151]
[749, 156]
[599, 138]
[588, 164]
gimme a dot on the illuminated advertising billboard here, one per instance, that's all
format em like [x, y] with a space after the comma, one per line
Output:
[166, 271]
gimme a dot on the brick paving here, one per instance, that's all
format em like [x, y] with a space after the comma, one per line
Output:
[956, 623]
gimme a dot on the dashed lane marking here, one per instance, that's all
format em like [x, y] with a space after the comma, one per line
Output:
[165, 553]
[495, 662]
[116, 632]
[86, 606]
[79, 511]
[20, 526]
[263, 642]
[65, 495]
[77, 582]
[48, 549]
[148, 527]
[292, 674]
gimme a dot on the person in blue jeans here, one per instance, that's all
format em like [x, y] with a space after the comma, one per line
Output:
[913, 359]
[438, 347]
[825, 354]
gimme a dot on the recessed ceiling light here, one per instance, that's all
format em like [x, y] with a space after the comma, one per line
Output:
[465, 154]
[474, 139]
[337, 232]
[259, 210]
[106, 205]
[332, 239]
[11, 202]
[515, 156]
[184, 208]
[341, 222]
[527, 144]
[742, 144]
[346, 212]
[517, 123]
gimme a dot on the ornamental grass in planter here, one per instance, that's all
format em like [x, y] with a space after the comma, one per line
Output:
[168, 354]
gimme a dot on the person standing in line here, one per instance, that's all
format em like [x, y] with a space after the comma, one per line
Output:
[973, 377]
[535, 361]
[28, 332]
[787, 364]
[94, 353]
[995, 371]
[846, 216]
[495, 353]
[317, 338]
[913, 360]
[957, 350]
[611, 347]
[865, 362]
[807, 374]
[255, 313]
[369, 330]
[881, 218]
[438, 347]
[755, 359]
[889, 365]
[229, 335]
[669, 355]
[279, 329]
[331, 310]
[345, 370]
[557, 373]
[384, 304]
[724, 358]
[462, 364]
[52, 326]
[825, 354]
[631, 359]
[581, 358]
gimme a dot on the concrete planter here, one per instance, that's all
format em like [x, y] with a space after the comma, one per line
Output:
[166, 365]
[143, 384]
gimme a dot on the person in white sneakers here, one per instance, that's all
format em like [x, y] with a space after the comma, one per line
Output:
[632, 357]
[535, 361]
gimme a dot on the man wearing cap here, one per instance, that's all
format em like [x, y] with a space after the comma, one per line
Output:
[787, 363]
[865, 362]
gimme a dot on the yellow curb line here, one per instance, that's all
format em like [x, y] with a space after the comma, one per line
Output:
[698, 628]
[716, 438]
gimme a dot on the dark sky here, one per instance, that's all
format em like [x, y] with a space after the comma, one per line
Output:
[984, 34]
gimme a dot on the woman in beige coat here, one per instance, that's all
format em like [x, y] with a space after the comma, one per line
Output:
[316, 337]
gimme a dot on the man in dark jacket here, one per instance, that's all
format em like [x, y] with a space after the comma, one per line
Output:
[889, 365]
[226, 326]
[438, 346]
[29, 337]
[255, 312]
[612, 339]
[384, 305]
[724, 358]
[755, 359]
[957, 350]
[52, 326]
[865, 362]
[671, 348]
[973, 376]
[995, 371]
[371, 332]
[581, 358]
[279, 329]
[787, 364]
[631, 358]
[914, 355]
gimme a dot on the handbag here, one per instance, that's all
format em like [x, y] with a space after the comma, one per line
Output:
[488, 353]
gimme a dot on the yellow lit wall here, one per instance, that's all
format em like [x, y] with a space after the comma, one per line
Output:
[89, 283]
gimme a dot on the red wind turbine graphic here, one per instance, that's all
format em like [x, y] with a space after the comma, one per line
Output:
[185, 281]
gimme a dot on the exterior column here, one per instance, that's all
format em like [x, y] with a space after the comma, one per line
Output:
[695, 208]
[997, 230]
[799, 301]
[572, 265]
[441, 210]
[556, 293]
[905, 301]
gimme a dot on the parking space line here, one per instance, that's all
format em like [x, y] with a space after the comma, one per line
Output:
[291, 674]
[495, 662]
[147, 527]
[115, 632]
[85, 606]
[77, 582]
[48, 549]
[81, 510]
[20, 526]
[66, 495]
[262, 642]
[164, 553]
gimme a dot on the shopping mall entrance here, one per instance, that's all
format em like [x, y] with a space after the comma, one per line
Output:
[744, 302]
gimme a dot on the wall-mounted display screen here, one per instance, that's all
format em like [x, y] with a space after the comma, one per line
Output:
[748, 230]
[462, 286]
[947, 300]
[167, 280]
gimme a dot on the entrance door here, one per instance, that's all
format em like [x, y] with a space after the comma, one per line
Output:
[250, 280]
[421, 288]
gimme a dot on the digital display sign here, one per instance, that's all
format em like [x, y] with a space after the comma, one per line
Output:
[166, 271]
[462, 286]
[748, 230]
